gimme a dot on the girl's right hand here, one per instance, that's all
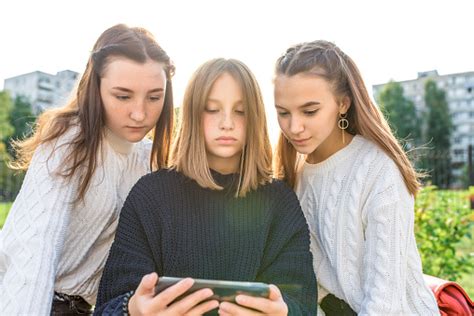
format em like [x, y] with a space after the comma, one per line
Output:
[145, 302]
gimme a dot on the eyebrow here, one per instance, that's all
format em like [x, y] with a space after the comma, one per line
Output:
[305, 105]
[239, 102]
[128, 90]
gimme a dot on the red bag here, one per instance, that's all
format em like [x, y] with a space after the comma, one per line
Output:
[450, 296]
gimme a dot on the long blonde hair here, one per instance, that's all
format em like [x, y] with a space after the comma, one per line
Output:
[188, 153]
[326, 60]
[87, 111]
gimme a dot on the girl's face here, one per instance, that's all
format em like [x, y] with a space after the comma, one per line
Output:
[223, 122]
[308, 113]
[133, 95]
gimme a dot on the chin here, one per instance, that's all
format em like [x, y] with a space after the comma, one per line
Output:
[134, 138]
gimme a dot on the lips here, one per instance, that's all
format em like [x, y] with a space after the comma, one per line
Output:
[226, 138]
[300, 141]
[136, 127]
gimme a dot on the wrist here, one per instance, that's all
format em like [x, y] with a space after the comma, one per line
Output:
[126, 301]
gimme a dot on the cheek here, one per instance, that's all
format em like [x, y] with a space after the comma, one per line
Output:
[155, 111]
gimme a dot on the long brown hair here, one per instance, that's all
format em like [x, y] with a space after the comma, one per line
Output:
[326, 60]
[86, 109]
[256, 159]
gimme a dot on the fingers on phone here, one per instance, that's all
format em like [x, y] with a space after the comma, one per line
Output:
[203, 308]
[147, 284]
[170, 294]
[227, 308]
[191, 300]
[275, 293]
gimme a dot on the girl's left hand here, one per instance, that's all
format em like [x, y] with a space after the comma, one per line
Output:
[273, 305]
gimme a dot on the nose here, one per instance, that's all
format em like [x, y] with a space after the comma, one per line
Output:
[138, 111]
[226, 121]
[296, 125]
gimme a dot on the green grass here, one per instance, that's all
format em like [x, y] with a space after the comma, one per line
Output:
[4, 208]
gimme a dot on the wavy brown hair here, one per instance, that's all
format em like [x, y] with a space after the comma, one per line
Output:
[324, 59]
[86, 110]
[189, 150]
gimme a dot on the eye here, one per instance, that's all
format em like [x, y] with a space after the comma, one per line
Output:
[122, 97]
[282, 114]
[240, 111]
[210, 110]
[310, 112]
[155, 98]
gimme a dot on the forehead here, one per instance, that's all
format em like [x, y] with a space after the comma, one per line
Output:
[121, 70]
[226, 86]
[301, 87]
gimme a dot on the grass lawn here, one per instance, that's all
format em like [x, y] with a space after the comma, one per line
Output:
[4, 208]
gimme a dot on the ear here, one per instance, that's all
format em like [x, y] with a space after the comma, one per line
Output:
[344, 105]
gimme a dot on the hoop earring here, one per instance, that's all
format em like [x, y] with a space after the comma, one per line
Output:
[343, 124]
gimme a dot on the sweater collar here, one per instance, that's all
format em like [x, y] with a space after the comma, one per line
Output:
[119, 144]
[338, 157]
[225, 180]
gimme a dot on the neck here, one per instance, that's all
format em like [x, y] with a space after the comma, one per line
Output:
[329, 147]
[119, 144]
[224, 165]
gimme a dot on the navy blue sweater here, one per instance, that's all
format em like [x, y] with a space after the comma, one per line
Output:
[171, 225]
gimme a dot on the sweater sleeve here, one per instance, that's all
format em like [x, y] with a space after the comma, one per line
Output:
[288, 262]
[392, 277]
[130, 257]
[33, 236]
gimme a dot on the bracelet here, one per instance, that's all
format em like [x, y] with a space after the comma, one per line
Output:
[125, 302]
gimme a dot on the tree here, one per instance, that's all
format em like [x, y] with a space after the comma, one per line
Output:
[401, 114]
[21, 118]
[6, 130]
[438, 135]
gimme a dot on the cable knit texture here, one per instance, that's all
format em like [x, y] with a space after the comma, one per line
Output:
[172, 226]
[47, 244]
[361, 219]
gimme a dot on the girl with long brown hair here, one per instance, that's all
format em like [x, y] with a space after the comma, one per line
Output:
[216, 214]
[81, 162]
[355, 184]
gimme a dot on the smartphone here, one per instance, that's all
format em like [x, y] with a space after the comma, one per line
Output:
[223, 290]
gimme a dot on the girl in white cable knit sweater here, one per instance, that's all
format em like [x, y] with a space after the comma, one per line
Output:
[355, 184]
[82, 161]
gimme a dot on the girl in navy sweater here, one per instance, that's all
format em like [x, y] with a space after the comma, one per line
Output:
[215, 214]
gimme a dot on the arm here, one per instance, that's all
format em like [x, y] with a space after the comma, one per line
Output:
[130, 257]
[288, 262]
[33, 235]
[390, 279]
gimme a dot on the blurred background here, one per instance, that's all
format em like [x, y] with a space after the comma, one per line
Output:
[417, 59]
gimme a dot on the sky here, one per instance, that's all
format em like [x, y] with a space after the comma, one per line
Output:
[387, 39]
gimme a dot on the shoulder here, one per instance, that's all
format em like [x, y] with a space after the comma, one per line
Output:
[164, 177]
[54, 152]
[281, 194]
[382, 173]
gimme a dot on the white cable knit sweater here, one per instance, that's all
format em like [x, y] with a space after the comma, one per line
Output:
[46, 244]
[361, 219]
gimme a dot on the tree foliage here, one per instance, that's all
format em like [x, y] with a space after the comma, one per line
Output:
[6, 130]
[438, 135]
[400, 113]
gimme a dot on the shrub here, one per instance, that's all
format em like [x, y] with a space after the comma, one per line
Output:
[443, 219]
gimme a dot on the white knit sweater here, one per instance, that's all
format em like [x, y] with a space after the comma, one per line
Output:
[361, 219]
[47, 244]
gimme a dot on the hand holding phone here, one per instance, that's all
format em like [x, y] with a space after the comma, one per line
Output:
[247, 305]
[145, 302]
[224, 291]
